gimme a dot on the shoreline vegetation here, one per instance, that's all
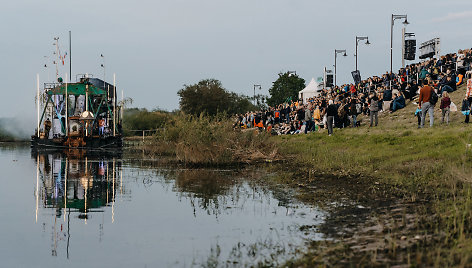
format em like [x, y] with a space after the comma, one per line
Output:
[209, 141]
[411, 200]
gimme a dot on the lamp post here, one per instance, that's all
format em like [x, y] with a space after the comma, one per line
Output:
[256, 86]
[394, 17]
[336, 51]
[360, 38]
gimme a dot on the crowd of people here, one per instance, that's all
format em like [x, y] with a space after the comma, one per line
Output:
[340, 106]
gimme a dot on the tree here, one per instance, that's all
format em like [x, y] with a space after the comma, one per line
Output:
[286, 86]
[208, 96]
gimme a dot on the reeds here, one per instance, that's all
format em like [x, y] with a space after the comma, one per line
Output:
[205, 140]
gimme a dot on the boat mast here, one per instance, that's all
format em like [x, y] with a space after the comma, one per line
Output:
[37, 89]
[56, 43]
[86, 105]
[67, 109]
[70, 54]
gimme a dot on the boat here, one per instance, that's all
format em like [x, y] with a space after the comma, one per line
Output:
[80, 115]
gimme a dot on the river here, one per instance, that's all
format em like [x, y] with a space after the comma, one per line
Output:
[126, 210]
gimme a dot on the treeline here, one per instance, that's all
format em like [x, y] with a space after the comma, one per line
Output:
[210, 97]
[143, 119]
[207, 97]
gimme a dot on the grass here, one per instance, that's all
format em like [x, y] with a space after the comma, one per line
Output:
[428, 171]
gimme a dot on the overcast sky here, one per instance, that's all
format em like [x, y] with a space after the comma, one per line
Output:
[155, 46]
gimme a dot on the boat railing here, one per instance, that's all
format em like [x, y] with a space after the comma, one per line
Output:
[79, 77]
[49, 86]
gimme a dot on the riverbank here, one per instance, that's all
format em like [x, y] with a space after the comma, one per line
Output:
[408, 189]
[397, 195]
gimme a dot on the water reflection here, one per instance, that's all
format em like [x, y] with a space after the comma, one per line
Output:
[75, 185]
[81, 185]
[159, 216]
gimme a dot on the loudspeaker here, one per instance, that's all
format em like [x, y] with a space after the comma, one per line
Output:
[329, 80]
[356, 75]
[410, 50]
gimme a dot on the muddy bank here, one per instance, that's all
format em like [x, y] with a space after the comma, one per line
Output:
[392, 198]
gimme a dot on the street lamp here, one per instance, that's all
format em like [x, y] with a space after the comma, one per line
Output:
[336, 51]
[394, 17]
[256, 86]
[360, 38]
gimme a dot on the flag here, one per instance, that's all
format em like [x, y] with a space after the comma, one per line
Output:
[63, 58]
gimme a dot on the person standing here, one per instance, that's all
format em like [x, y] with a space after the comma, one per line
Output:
[374, 110]
[445, 107]
[308, 116]
[331, 112]
[353, 112]
[466, 109]
[424, 103]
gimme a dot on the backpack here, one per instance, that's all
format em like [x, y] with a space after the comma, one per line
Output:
[341, 111]
[358, 108]
[434, 98]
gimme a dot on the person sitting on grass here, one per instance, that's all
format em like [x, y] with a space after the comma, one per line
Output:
[448, 85]
[398, 102]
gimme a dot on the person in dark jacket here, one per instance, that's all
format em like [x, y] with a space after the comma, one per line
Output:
[398, 102]
[353, 112]
[331, 112]
[447, 85]
[387, 96]
[466, 109]
[413, 90]
[374, 110]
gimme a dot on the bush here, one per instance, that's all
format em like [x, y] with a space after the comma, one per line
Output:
[142, 119]
[208, 140]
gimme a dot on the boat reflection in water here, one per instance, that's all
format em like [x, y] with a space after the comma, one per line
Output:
[75, 184]
[168, 216]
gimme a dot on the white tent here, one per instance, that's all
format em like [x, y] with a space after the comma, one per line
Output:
[310, 91]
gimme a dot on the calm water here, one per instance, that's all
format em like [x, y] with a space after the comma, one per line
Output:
[77, 211]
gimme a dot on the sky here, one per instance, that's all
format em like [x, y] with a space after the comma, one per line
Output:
[155, 47]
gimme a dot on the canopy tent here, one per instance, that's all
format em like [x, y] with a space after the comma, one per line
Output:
[313, 89]
[76, 89]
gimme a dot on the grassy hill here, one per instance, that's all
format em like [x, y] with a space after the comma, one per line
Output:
[414, 186]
